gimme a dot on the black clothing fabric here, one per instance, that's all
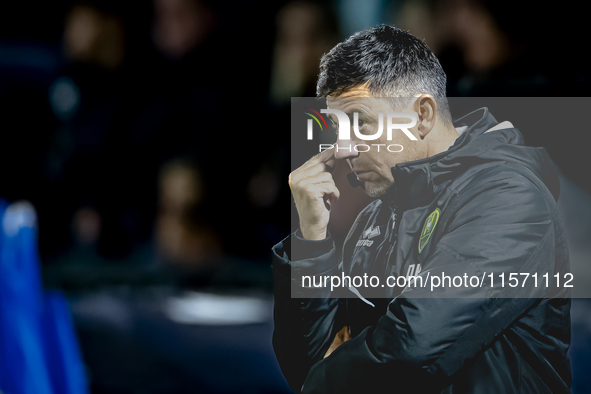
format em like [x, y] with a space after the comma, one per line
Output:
[496, 200]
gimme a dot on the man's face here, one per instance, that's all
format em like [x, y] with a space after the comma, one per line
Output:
[373, 168]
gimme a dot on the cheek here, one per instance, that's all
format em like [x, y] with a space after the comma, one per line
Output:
[390, 159]
[384, 160]
[410, 151]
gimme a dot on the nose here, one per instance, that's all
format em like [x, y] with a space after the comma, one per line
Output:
[345, 149]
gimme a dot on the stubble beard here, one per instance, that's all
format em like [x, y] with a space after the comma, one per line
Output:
[377, 189]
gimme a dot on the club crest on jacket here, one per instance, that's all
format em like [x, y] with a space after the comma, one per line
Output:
[428, 228]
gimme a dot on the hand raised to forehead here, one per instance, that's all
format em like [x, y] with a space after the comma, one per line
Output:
[314, 191]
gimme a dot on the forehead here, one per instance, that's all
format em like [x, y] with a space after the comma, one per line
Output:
[359, 99]
[358, 103]
[349, 95]
[356, 91]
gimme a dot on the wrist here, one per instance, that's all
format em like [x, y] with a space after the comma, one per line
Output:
[312, 233]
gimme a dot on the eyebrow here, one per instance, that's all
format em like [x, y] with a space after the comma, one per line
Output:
[350, 114]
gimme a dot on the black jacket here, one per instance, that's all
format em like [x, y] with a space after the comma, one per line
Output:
[496, 213]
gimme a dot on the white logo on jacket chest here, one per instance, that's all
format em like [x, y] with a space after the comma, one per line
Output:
[367, 235]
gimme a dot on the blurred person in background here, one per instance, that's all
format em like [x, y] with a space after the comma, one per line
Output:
[94, 36]
[305, 31]
[185, 242]
[86, 231]
[187, 246]
[181, 25]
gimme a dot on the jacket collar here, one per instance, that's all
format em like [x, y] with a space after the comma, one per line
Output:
[415, 182]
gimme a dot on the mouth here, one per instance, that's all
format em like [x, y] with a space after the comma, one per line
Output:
[357, 171]
[362, 175]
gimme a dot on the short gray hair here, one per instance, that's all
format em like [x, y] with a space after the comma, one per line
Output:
[392, 62]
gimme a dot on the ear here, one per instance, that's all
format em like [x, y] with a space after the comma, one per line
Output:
[426, 108]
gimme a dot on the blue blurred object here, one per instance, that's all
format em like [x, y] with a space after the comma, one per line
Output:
[38, 349]
[580, 350]
[62, 353]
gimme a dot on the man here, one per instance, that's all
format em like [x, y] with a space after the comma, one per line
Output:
[464, 200]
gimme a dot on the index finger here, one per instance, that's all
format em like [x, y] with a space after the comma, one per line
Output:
[323, 157]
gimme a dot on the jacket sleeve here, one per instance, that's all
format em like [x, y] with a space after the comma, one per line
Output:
[505, 225]
[304, 327]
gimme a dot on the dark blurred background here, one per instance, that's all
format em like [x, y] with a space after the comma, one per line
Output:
[150, 136]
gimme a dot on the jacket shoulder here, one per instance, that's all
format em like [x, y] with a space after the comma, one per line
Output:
[498, 181]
